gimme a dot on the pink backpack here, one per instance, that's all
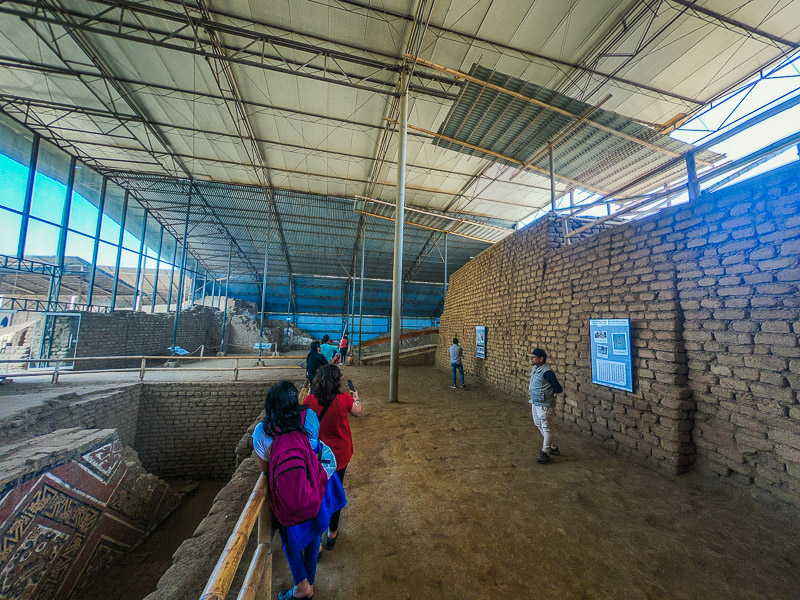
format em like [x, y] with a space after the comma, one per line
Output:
[297, 481]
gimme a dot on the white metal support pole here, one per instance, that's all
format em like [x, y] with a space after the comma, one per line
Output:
[399, 217]
[263, 296]
[179, 299]
[351, 325]
[444, 294]
[552, 180]
[361, 292]
[227, 285]
[691, 172]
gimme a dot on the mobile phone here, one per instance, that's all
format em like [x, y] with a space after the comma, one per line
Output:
[351, 386]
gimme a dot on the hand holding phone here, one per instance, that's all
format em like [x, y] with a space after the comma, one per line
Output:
[353, 391]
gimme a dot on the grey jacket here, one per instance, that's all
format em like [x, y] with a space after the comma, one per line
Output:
[540, 391]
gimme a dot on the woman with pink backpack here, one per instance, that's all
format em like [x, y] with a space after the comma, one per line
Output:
[302, 493]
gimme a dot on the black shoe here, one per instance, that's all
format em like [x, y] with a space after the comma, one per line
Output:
[330, 542]
[554, 451]
[543, 457]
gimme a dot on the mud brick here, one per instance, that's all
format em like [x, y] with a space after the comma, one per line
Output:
[732, 330]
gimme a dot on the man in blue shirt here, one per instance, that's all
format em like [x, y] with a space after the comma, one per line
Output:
[455, 362]
[328, 349]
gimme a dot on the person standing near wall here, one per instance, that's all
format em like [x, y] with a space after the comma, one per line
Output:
[343, 346]
[455, 362]
[542, 391]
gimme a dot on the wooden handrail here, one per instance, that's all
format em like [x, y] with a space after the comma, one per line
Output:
[260, 571]
[222, 576]
[140, 357]
[404, 336]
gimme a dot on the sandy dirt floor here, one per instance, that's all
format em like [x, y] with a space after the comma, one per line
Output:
[446, 501]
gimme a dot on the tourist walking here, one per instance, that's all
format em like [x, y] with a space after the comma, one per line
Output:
[344, 344]
[455, 362]
[314, 361]
[289, 435]
[542, 391]
[333, 407]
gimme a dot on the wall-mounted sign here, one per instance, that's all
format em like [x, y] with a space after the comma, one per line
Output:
[612, 353]
[480, 342]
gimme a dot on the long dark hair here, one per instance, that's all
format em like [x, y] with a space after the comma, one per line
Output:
[282, 411]
[326, 384]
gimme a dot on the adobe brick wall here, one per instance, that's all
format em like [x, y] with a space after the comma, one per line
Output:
[110, 409]
[191, 431]
[131, 333]
[711, 289]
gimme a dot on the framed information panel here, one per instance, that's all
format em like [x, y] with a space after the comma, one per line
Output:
[612, 363]
[480, 341]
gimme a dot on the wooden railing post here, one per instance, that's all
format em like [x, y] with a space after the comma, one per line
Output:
[236, 370]
[54, 379]
[142, 368]
[202, 350]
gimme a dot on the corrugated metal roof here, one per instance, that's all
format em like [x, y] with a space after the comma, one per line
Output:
[586, 154]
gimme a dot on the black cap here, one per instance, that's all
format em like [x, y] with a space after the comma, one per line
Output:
[540, 353]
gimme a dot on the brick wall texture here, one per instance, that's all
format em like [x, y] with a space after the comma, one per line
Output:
[130, 333]
[111, 409]
[711, 289]
[191, 431]
[180, 430]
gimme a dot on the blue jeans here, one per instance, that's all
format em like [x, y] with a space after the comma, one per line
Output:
[460, 368]
[303, 563]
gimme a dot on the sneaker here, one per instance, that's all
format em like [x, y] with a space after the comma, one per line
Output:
[543, 457]
[554, 451]
[463, 386]
[453, 387]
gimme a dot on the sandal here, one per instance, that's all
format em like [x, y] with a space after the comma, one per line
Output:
[289, 594]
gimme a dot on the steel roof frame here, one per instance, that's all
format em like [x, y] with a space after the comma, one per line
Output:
[199, 30]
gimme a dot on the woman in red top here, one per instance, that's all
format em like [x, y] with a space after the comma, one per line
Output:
[332, 407]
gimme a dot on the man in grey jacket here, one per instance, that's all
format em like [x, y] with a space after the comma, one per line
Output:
[542, 390]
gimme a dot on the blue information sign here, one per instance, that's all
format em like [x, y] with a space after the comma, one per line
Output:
[480, 341]
[612, 353]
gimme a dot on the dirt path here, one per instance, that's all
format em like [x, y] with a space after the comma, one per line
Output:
[445, 501]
